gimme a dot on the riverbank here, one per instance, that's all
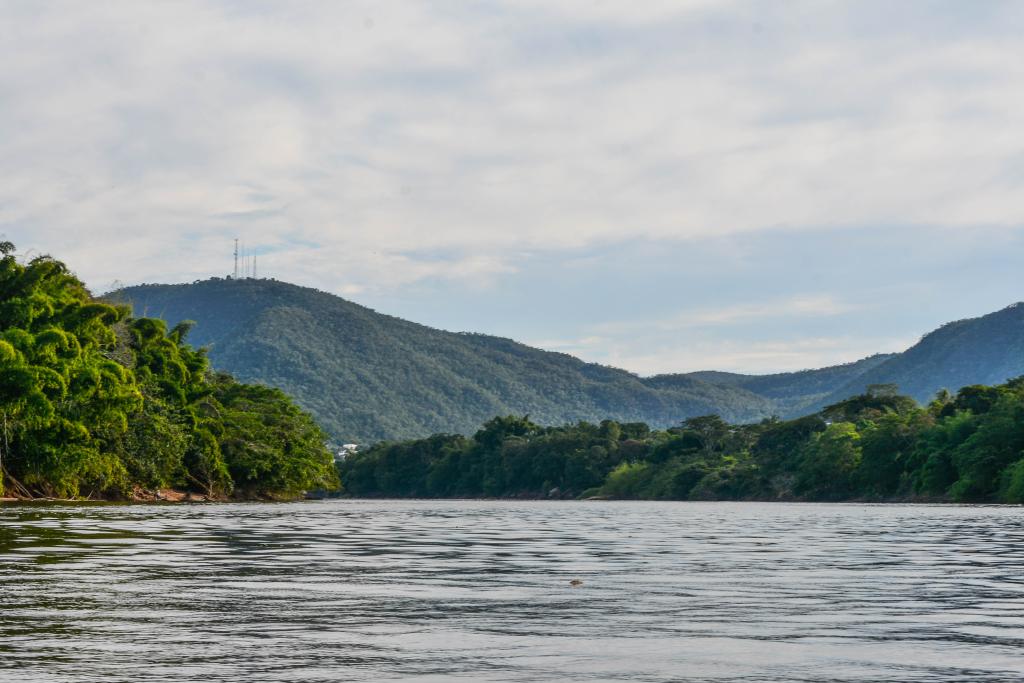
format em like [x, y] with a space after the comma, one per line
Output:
[139, 496]
[891, 500]
[165, 495]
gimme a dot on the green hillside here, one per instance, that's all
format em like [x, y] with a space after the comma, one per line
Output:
[984, 350]
[368, 376]
[793, 392]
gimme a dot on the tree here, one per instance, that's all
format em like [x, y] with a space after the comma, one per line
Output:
[710, 430]
[495, 431]
[943, 398]
[93, 402]
[976, 398]
[828, 462]
[882, 390]
[887, 446]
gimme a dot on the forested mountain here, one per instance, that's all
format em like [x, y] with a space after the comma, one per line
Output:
[793, 392]
[985, 350]
[368, 376]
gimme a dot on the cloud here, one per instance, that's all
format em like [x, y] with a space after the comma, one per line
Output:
[412, 126]
[802, 306]
[710, 338]
[376, 148]
[754, 357]
[668, 306]
[580, 347]
[808, 305]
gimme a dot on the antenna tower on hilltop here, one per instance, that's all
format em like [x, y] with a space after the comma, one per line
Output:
[245, 262]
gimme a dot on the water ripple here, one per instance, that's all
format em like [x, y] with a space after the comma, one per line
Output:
[442, 590]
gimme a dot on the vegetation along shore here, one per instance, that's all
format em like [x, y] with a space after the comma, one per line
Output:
[97, 404]
[878, 446]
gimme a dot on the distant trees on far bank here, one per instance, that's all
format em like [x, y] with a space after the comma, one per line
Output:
[967, 447]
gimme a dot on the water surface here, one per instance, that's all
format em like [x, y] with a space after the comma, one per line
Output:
[442, 590]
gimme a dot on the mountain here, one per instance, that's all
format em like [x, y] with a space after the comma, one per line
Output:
[368, 376]
[793, 393]
[984, 350]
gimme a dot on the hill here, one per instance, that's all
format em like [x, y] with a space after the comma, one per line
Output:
[984, 350]
[793, 392]
[368, 376]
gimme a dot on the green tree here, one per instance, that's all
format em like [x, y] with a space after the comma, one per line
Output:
[828, 462]
[93, 402]
[710, 430]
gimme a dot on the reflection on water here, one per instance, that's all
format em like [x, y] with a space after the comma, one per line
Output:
[436, 590]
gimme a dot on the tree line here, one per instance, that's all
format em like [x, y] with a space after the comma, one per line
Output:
[96, 403]
[967, 447]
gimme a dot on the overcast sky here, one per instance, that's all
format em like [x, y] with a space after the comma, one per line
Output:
[661, 186]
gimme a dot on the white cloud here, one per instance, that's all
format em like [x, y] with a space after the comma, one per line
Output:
[583, 346]
[411, 126]
[746, 356]
[698, 317]
[800, 306]
[720, 338]
[370, 146]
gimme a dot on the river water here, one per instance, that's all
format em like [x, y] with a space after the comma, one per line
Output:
[442, 590]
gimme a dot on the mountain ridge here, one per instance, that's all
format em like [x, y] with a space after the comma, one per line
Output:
[369, 376]
[986, 349]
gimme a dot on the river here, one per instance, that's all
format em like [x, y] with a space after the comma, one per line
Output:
[481, 590]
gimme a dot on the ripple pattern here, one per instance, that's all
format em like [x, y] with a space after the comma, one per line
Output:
[480, 590]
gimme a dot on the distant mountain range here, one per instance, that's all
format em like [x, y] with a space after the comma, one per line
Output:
[984, 350]
[369, 376]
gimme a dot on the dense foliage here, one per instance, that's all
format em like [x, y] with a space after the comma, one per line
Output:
[95, 403]
[367, 376]
[874, 446]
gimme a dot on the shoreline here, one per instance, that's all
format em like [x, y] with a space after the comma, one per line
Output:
[141, 496]
[197, 499]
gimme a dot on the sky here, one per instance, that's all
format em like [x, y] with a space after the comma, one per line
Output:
[660, 186]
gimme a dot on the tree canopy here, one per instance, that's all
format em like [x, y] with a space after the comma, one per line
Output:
[967, 447]
[96, 403]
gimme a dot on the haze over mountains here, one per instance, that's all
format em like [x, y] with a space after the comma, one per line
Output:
[368, 376]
